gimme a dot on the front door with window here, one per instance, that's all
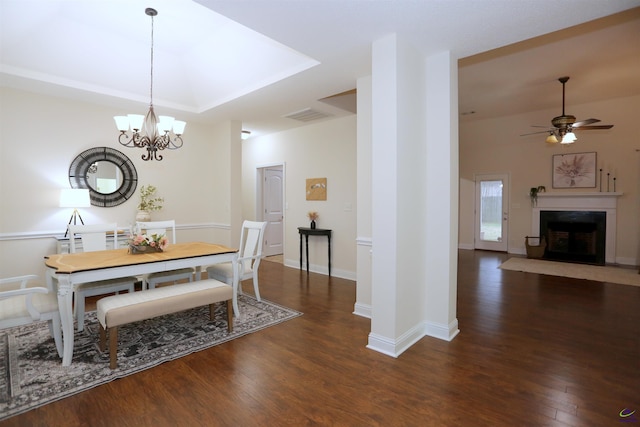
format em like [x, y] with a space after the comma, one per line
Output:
[492, 213]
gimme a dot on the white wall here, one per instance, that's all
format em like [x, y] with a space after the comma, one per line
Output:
[39, 138]
[494, 145]
[323, 150]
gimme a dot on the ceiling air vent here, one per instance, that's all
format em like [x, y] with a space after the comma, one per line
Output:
[307, 115]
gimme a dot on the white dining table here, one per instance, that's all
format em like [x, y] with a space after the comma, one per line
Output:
[70, 270]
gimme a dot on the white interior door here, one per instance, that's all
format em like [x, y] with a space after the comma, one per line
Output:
[492, 213]
[273, 213]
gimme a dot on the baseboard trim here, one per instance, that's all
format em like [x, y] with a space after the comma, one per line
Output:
[381, 345]
[442, 331]
[363, 310]
[321, 269]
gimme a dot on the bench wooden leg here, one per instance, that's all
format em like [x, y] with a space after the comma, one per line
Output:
[113, 347]
[103, 338]
[229, 316]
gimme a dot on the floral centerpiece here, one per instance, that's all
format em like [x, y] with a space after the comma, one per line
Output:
[141, 243]
[313, 215]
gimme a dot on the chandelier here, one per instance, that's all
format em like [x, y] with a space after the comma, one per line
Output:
[150, 132]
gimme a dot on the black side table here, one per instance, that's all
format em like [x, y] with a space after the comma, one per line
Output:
[306, 231]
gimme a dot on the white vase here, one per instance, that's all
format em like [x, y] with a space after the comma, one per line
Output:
[143, 216]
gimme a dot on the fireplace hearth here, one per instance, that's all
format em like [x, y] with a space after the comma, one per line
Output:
[574, 236]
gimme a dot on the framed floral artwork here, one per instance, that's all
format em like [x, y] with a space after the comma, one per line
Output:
[576, 170]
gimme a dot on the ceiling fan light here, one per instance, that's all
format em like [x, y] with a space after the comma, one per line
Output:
[551, 139]
[569, 138]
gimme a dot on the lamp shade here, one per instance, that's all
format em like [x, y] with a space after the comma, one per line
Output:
[178, 127]
[551, 139]
[569, 138]
[75, 198]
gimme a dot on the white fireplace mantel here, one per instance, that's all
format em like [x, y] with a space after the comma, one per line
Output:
[581, 201]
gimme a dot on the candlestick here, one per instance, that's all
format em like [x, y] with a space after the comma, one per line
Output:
[601, 179]
[608, 180]
[614, 184]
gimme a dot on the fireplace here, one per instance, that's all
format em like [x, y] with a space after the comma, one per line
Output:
[574, 236]
[600, 203]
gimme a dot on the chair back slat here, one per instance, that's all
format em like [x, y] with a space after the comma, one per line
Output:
[251, 243]
[251, 239]
[94, 241]
[158, 227]
[94, 237]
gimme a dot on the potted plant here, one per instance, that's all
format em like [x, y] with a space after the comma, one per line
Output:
[148, 202]
[533, 194]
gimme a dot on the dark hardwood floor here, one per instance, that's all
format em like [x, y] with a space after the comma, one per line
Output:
[533, 351]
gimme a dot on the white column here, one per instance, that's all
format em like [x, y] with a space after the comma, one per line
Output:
[362, 306]
[384, 170]
[441, 259]
[414, 197]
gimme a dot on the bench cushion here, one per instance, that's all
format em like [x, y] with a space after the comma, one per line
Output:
[132, 307]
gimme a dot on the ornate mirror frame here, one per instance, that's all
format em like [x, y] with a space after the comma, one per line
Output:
[80, 168]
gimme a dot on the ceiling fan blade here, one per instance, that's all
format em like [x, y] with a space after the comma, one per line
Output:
[539, 126]
[594, 127]
[533, 133]
[585, 122]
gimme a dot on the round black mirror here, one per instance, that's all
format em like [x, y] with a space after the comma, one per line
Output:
[108, 174]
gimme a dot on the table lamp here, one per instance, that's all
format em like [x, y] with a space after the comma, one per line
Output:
[74, 198]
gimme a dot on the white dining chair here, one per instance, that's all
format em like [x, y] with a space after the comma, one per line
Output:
[251, 239]
[95, 237]
[167, 228]
[22, 302]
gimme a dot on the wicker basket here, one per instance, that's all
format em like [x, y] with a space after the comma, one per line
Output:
[535, 251]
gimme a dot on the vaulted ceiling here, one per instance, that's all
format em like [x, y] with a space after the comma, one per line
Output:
[257, 61]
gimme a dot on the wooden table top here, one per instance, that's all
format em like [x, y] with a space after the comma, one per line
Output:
[86, 261]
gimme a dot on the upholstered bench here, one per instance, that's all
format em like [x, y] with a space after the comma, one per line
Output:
[117, 310]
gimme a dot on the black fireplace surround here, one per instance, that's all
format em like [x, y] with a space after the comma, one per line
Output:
[574, 236]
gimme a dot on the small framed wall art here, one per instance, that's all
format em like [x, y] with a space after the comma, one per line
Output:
[316, 189]
[576, 170]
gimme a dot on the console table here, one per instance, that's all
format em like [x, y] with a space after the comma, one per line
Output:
[306, 232]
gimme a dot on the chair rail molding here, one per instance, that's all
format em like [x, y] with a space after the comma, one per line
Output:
[24, 235]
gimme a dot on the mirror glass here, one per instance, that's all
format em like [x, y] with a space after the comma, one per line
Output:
[109, 175]
[104, 177]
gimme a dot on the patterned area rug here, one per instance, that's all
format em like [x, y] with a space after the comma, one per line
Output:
[31, 370]
[597, 273]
